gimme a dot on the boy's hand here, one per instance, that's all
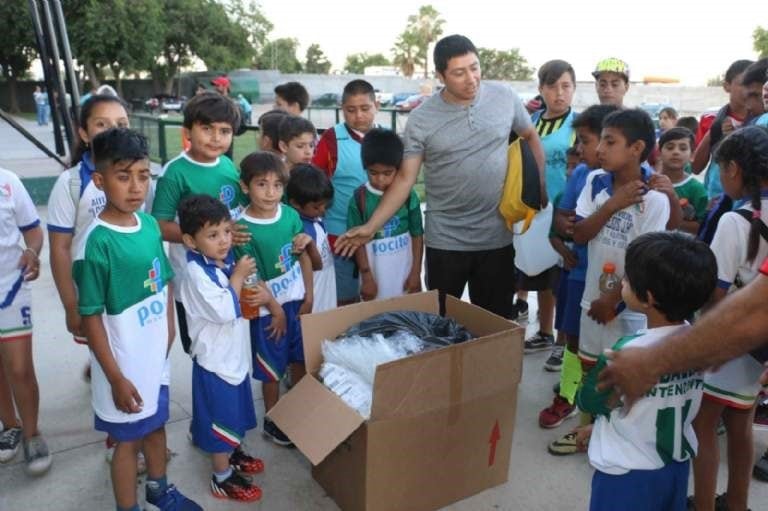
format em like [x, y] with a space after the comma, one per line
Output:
[368, 287]
[602, 310]
[126, 397]
[260, 297]
[628, 195]
[244, 267]
[306, 306]
[570, 258]
[74, 322]
[661, 183]
[564, 222]
[412, 283]
[240, 234]
[29, 262]
[277, 327]
[300, 242]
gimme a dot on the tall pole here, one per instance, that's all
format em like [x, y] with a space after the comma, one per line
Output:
[51, 36]
[61, 25]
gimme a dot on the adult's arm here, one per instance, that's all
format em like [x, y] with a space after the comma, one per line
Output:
[742, 315]
[395, 196]
[531, 136]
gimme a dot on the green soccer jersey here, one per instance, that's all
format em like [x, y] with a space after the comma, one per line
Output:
[122, 274]
[406, 220]
[691, 189]
[271, 246]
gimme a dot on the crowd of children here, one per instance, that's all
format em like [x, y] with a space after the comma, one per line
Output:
[251, 249]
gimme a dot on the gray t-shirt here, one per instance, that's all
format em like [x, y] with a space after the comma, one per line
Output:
[464, 150]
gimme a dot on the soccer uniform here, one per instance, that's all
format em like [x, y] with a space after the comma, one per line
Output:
[222, 402]
[271, 246]
[390, 252]
[324, 280]
[736, 383]
[610, 246]
[17, 214]
[122, 275]
[642, 456]
[691, 189]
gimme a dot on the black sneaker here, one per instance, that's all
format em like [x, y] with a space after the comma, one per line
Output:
[10, 440]
[235, 487]
[555, 360]
[274, 433]
[521, 310]
[539, 342]
[760, 470]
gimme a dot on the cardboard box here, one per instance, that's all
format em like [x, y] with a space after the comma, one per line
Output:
[441, 422]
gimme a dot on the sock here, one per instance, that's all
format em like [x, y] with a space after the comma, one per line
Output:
[570, 376]
[135, 507]
[156, 487]
[222, 476]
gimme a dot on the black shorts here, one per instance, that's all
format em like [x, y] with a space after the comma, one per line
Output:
[544, 281]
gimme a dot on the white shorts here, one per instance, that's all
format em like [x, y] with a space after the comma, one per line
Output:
[595, 338]
[735, 384]
[16, 317]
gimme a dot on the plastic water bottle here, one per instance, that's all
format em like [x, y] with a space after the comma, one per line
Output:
[689, 212]
[250, 285]
[609, 281]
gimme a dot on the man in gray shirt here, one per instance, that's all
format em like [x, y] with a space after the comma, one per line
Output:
[461, 135]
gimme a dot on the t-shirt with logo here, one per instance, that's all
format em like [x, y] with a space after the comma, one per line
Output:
[390, 252]
[611, 242]
[122, 275]
[271, 245]
[657, 430]
[691, 189]
[324, 280]
[182, 177]
[17, 214]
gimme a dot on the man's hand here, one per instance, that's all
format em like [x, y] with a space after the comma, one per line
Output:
[350, 241]
[277, 327]
[300, 242]
[126, 397]
[368, 287]
[631, 372]
[627, 195]
[412, 283]
[602, 310]
[240, 234]
[29, 262]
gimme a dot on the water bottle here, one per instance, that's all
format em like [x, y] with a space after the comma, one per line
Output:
[609, 281]
[250, 285]
[689, 212]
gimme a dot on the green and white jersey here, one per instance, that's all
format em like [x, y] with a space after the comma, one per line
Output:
[182, 177]
[390, 252]
[271, 246]
[656, 431]
[694, 191]
[122, 275]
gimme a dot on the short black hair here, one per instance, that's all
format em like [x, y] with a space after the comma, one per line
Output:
[449, 47]
[292, 126]
[357, 87]
[209, 107]
[261, 163]
[756, 73]
[635, 124]
[689, 122]
[736, 68]
[116, 145]
[551, 71]
[670, 111]
[676, 133]
[308, 184]
[678, 270]
[382, 146]
[197, 210]
[592, 118]
[293, 92]
[269, 125]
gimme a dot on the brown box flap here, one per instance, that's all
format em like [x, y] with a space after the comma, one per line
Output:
[317, 327]
[314, 418]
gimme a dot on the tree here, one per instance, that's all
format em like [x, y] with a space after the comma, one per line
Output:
[427, 27]
[248, 14]
[357, 62]
[504, 65]
[760, 38]
[17, 46]
[406, 53]
[316, 61]
[280, 54]
[715, 81]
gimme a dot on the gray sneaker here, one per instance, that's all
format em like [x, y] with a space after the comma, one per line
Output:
[37, 456]
[555, 360]
[538, 342]
[10, 439]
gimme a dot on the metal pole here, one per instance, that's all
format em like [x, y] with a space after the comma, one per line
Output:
[42, 47]
[51, 33]
[61, 25]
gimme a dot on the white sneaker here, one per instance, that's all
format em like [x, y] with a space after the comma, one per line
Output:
[37, 456]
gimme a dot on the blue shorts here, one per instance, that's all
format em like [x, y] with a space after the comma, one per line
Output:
[568, 313]
[347, 280]
[131, 431]
[270, 356]
[664, 489]
[221, 413]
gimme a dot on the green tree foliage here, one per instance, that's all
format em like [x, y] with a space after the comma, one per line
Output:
[760, 38]
[248, 14]
[504, 65]
[17, 45]
[316, 62]
[357, 62]
[280, 54]
[427, 26]
[406, 53]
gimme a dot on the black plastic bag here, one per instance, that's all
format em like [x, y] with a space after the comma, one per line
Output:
[433, 329]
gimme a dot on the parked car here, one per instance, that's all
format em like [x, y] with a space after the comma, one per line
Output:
[327, 99]
[384, 98]
[165, 103]
[411, 102]
[399, 97]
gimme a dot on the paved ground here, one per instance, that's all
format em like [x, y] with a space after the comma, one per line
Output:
[79, 478]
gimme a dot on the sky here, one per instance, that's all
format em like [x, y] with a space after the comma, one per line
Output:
[685, 39]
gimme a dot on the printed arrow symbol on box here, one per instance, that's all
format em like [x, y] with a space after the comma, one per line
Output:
[493, 440]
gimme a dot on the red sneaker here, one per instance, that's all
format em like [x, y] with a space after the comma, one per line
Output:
[245, 463]
[554, 415]
[236, 487]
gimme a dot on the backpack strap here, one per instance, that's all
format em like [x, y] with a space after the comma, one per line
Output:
[360, 201]
[747, 215]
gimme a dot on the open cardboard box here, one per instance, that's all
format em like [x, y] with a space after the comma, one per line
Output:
[441, 421]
